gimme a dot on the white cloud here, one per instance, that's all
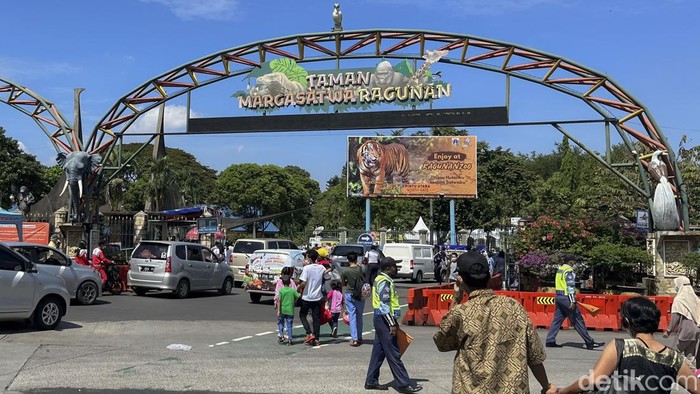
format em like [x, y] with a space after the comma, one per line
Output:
[239, 149]
[221, 10]
[17, 69]
[175, 119]
[23, 147]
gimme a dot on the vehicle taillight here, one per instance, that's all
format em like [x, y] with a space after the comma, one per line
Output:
[168, 265]
[411, 263]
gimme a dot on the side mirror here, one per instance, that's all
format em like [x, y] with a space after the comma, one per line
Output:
[32, 268]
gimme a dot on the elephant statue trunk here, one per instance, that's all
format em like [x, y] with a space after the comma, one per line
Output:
[77, 166]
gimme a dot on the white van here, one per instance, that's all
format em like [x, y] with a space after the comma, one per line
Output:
[244, 248]
[416, 260]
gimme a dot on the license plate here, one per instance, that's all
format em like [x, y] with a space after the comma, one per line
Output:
[146, 269]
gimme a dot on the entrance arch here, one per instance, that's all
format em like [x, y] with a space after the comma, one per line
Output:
[610, 100]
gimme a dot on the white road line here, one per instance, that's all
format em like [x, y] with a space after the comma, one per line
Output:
[241, 338]
[347, 338]
[264, 333]
[299, 326]
[367, 333]
[221, 343]
[211, 345]
[319, 346]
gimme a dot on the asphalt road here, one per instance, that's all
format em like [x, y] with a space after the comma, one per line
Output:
[209, 343]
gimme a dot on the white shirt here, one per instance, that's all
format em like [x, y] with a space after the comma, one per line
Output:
[215, 250]
[372, 256]
[312, 276]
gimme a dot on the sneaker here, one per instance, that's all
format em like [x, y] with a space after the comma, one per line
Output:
[280, 339]
[594, 345]
[334, 332]
[309, 338]
[315, 343]
[289, 342]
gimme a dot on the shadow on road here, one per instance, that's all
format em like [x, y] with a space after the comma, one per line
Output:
[21, 327]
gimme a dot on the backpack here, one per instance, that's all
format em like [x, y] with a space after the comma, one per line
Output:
[359, 293]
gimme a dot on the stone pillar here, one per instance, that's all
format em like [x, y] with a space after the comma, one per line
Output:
[59, 218]
[665, 249]
[140, 220]
[423, 236]
[463, 236]
[343, 235]
[382, 235]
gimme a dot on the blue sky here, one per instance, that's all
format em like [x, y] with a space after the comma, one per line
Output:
[111, 47]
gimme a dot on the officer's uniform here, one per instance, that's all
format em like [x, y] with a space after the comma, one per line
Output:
[386, 312]
[565, 283]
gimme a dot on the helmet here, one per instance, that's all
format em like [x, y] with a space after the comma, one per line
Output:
[82, 245]
[322, 252]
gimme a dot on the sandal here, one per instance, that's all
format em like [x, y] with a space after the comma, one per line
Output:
[354, 344]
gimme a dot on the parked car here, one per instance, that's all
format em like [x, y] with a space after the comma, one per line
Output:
[265, 267]
[83, 283]
[340, 254]
[28, 293]
[244, 248]
[179, 267]
[416, 260]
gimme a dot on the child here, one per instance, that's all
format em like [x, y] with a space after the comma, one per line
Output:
[287, 297]
[335, 299]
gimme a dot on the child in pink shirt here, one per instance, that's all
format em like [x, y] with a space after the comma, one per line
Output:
[335, 300]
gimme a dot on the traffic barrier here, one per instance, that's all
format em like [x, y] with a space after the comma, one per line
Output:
[607, 317]
[417, 308]
[438, 304]
[664, 304]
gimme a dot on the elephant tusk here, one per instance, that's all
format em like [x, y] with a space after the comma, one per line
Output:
[80, 187]
[64, 188]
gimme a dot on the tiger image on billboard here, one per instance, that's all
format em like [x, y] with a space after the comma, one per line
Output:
[412, 166]
[378, 161]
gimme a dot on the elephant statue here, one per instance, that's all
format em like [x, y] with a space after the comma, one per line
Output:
[77, 166]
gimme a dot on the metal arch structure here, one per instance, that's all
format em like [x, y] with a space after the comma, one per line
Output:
[44, 113]
[605, 96]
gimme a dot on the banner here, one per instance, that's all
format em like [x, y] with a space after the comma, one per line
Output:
[426, 167]
[33, 232]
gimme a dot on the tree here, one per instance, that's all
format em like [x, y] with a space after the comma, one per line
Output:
[17, 169]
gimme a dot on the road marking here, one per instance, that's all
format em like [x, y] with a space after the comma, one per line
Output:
[242, 338]
[347, 338]
[221, 343]
[319, 346]
[264, 333]
[211, 345]
[367, 333]
[299, 326]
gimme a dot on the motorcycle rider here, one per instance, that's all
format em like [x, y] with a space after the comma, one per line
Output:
[99, 260]
[82, 256]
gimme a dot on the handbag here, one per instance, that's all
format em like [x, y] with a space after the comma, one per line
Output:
[618, 382]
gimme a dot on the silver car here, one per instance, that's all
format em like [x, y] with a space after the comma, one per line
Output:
[27, 293]
[180, 267]
[83, 283]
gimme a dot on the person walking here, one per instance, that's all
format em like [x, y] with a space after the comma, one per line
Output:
[335, 302]
[639, 364]
[685, 315]
[438, 261]
[372, 260]
[492, 334]
[287, 298]
[353, 280]
[566, 307]
[385, 302]
[310, 288]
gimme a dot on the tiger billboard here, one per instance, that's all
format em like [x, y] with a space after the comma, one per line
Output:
[422, 166]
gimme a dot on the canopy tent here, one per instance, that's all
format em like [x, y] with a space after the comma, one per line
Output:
[261, 227]
[193, 234]
[14, 218]
[420, 226]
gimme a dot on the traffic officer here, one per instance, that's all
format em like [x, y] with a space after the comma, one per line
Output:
[386, 312]
[566, 307]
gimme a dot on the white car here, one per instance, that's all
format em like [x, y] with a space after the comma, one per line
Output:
[83, 283]
[26, 293]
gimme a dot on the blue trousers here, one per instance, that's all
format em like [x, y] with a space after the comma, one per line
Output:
[355, 309]
[285, 321]
[563, 312]
[385, 346]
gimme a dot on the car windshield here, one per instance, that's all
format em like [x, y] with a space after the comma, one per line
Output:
[152, 251]
[247, 247]
[343, 250]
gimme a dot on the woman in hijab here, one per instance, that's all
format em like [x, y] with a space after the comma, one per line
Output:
[685, 316]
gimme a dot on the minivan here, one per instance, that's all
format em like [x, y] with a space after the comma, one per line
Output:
[244, 248]
[179, 267]
[340, 254]
[416, 260]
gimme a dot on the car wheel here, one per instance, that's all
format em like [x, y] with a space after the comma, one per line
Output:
[255, 297]
[226, 287]
[87, 293]
[419, 277]
[183, 289]
[48, 314]
[140, 291]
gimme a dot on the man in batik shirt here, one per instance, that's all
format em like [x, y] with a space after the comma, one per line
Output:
[492, 334]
